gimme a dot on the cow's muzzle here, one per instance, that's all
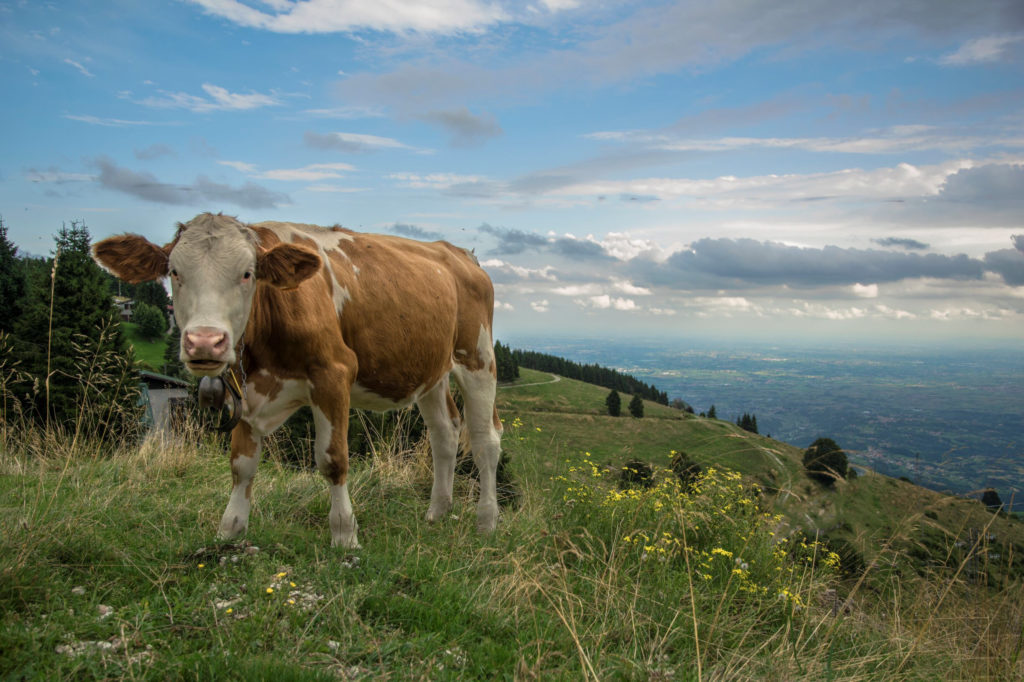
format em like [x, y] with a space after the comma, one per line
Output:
[207, 350]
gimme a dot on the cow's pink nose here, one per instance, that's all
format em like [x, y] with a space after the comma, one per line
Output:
[206, 343]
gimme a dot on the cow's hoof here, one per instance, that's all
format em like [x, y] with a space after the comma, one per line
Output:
[231, 529]
[436, 511]
[346, 541]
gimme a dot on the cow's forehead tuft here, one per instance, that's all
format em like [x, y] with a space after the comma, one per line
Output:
[208, 228]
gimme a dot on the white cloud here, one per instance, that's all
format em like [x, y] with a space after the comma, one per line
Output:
[503, 305]
[865, 291]
[312, 172]
[111, 122]
[336, 188]
[540, 306]
[333, 16]
[217, 99]
[496, 266]
[981, 50]
[239, 166]
[627, 287]
[352, 142]
[438, 181]
[604, 302]
[78, 65]
[896, 182]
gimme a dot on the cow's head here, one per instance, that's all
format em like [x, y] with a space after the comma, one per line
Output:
[215, 264]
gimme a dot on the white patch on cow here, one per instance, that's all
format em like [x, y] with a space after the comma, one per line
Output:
[265, 414]
[344, 528]
[478, 390]
[365, 399]
[444, 443]
[236, 516]
[340, 518]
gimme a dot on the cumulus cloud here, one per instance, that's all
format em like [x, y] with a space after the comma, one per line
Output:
[464, 128]
[503, 272]
[990, 183]
[736, 262]
[604, 302]
[414, 232]
[1008, 263]
[513, 241]
[541, 306]
[865, 290]
[202, 191]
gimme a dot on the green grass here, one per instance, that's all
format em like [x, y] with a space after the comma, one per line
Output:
[109, 569]
[148, 353]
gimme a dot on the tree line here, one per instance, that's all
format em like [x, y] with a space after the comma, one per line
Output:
[65, 362]
[589, 373]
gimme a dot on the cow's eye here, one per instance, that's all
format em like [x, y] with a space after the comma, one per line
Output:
[174, 273]
[247, 276]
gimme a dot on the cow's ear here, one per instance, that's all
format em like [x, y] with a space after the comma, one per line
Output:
[286, 266]
[133, 258]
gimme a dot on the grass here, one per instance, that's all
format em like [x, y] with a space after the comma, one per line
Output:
[109, 569]
[148, 353]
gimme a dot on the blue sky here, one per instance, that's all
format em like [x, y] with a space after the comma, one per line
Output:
[814, 168]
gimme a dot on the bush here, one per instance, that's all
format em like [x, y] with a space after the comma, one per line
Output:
[636, 474]
[685, 469]
[825, 461]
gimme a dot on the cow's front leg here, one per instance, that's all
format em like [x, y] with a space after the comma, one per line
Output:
[330, 414]
[245, 456]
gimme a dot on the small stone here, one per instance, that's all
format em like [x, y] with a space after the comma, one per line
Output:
[333, 646]
[78, 591]
[252, 550]
[104, 610]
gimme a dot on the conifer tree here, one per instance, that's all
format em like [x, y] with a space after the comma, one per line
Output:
[72, 332]
[712, 414]
[12, 282]
[636, 407]
[614, 403]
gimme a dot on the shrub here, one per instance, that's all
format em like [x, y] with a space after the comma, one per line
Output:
[825, 461]
[685, 469]
[636, 407]
[636, 474]
[614, 403]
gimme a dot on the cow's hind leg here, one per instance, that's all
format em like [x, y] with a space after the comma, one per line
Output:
[478, 390]
[442, 419]
[245, 456]
[330, 416]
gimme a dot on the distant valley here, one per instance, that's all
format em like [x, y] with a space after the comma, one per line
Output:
[948, 419]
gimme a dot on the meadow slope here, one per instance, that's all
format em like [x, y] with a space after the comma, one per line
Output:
[109, 567]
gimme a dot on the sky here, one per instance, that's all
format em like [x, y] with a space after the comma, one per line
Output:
[815, 169]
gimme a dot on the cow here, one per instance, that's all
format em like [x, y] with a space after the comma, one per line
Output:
[333, 319]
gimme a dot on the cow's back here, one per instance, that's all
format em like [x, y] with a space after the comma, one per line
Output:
[407, 309]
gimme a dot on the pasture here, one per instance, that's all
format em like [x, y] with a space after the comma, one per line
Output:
[109, 569]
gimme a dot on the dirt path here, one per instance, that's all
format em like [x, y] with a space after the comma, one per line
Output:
[554, 380]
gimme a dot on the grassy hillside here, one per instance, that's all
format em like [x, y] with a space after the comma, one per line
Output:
[147, 353]
[864, 515]
[109, 568]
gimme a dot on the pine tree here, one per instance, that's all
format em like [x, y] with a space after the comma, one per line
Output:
[74, 337]
[12, 282]
[712, 414]
[636, 407]
[614, 403]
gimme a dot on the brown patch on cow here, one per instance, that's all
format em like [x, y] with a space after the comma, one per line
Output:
[497, 421]
[132, 258]
[242, 442]
[286, 266]
[265, 384]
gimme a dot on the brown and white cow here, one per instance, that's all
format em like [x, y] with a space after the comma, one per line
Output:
[333, 319]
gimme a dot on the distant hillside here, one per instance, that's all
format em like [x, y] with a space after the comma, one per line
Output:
[591, 374]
